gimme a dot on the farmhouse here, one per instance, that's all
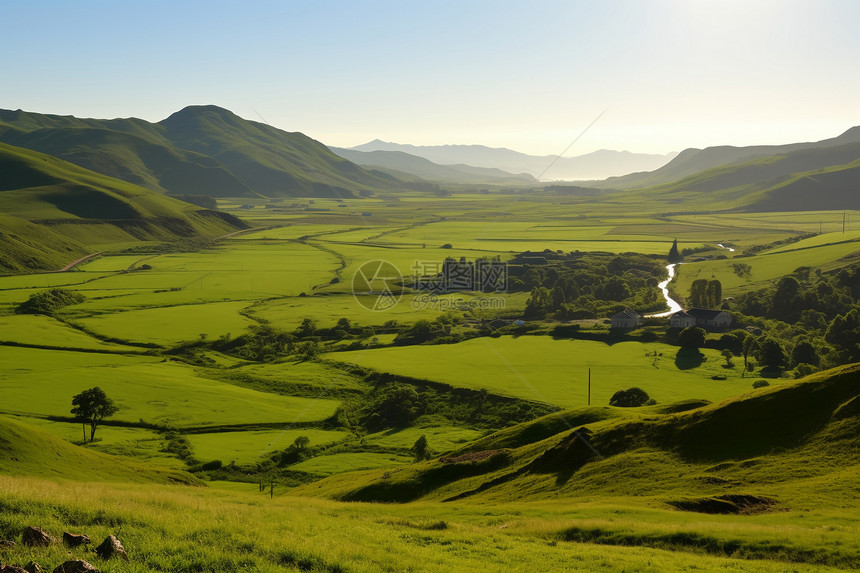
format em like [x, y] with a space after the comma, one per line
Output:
[701, 317]
[681, 320]
[626, 319]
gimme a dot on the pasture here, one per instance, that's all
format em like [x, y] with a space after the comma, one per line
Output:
[42, 382]
[825, 252]
[556, 371]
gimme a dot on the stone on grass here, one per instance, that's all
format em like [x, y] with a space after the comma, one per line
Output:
[76, 566]
[111, 547]
[36, 536]
[74, 539]
[11, 569]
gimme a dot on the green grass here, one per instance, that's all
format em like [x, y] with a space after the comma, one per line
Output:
[556, 371]
[767, 267]
[28, 451]
[337, 463]
[439, 438]
[169, 325]
[288, 534]
[252, 446]
[47, 331]
[153, 389]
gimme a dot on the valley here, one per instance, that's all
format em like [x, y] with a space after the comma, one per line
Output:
[280, 403]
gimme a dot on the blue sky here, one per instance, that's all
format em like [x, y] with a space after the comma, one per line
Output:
[529, 76]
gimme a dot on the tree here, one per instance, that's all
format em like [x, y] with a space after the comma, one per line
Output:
[674, 255]
[749, 345]
[804, 353]
[692, 337]
[91, 407]
[420, 449]
[771, 353]
[699, 293]
[714, 293]
[301, 443]
[727, 354]
[786, 299]
[630, 398]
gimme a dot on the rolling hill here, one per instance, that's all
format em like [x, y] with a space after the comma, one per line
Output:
[796, 157]
[775, 444]
[28, 451]
[199, 150]
[810, 179]
[53, 212]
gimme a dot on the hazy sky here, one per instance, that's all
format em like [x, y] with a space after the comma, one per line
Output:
[525, 75]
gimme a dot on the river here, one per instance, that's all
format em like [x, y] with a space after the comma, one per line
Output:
[664, 286]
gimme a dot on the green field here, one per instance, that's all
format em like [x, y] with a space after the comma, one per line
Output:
[145, 388]
[250, 446]
[556, 371]
[238, 410]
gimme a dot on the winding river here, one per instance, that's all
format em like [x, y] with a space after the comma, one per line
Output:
[664, 286]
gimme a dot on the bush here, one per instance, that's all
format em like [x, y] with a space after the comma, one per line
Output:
[49, 301]
[630, 398]
[804, 369]
[760, 383]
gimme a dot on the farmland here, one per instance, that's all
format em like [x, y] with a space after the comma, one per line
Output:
[202, 351]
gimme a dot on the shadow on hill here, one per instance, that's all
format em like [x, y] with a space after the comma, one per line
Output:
[688, 358]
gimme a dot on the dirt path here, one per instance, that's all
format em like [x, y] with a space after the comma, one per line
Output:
[76, 263]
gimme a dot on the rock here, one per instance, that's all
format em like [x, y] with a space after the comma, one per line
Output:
[76, 566]
[111, 547]
[6, 543]
[32, 567]
[36, 536]
[11, 569]
[74, 539]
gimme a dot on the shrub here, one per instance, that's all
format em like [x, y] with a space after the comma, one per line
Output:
[49, 301]
[630, 398]
[760, 383]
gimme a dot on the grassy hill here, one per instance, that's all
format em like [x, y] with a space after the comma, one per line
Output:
[692, 161]
[54, 212]
[809, 179]
[28, 451]
[198, 150]
[777, 444]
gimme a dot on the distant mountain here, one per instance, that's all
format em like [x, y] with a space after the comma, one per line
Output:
[198, 150]
[692, 161]
[800, 177]
[597, 165]
[53, 212]
[426, 169]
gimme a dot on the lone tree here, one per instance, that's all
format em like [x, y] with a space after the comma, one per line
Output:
[91, 407]
[674, 255]
[631, 398]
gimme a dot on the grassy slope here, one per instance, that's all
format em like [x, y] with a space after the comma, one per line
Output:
[785, 442]
[199, 150]
[54, 211]
[28, 451]
[808, 179]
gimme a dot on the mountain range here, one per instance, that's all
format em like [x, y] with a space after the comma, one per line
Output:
[597, 165]
[794, 177]
[53, 212]
[198, 150]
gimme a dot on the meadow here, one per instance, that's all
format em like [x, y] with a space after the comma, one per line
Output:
[556, 371]
[147, 338]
